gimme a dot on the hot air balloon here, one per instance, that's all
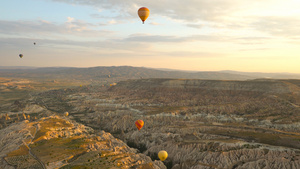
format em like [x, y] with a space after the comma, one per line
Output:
[20, 55]
[143, 13]
[139, 124]
[34, 43]
[66, 113]
[162, 155]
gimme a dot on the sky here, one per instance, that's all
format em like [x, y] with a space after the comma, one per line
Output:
[198, 35]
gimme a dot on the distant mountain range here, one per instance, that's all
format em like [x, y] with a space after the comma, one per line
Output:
[265, 75]
[128, 72]
[17, 67]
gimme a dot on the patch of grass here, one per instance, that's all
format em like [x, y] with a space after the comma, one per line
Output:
[94, 160]
[58, 148]
[11, 96]
[23, 161]
[23, 150]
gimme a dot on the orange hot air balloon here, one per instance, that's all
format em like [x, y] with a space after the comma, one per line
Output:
[143, 13]
[139, 124]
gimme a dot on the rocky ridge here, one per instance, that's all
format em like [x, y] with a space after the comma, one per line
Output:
[265, 86]
[191, 146]
[57, 142]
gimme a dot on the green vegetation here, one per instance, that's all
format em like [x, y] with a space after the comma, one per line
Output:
[92, 159]
[23, 150]
[56, 149]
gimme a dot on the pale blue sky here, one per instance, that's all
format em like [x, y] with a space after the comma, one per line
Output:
[204, 35]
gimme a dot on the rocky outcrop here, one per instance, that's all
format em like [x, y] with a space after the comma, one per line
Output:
[11, 138]
[57, 142]
[200, 123]
[190, 145]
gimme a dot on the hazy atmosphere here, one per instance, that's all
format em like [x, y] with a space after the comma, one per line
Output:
[202, 35]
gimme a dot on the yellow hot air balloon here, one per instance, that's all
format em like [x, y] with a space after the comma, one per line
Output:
[139, 124]
[162, 155]
[66, 113]
[143, 13]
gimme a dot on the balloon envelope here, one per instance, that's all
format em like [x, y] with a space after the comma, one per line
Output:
[20, 55]
[66, 114]
[162, 155]
[143, 13]
[139, 124]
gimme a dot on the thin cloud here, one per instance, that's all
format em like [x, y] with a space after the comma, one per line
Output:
[190, 10]
[42, 27]
[172, 39]
[255, 49]
[278, 26]
[154, 23]
[187, 54]
[111, 44]
[153, 38]
[219, 14]
[197, 26]
[144, 38]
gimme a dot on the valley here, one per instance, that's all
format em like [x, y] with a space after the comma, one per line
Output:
[200, 123]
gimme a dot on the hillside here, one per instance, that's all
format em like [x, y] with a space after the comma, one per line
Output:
[200, 123]
[117, 73]
[57, 142]
[264, 85]
[265, 75]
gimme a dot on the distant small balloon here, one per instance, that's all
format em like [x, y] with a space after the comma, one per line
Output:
[66, 114]
[34, 43]
[21, 55]
[162, 155]
[139, 124]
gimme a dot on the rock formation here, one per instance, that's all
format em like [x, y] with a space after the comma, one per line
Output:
[57, 142]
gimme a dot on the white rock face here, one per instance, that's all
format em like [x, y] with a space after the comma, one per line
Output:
[11, 138]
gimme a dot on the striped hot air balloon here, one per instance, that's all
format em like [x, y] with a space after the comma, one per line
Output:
[143, 13]
[139, 124]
